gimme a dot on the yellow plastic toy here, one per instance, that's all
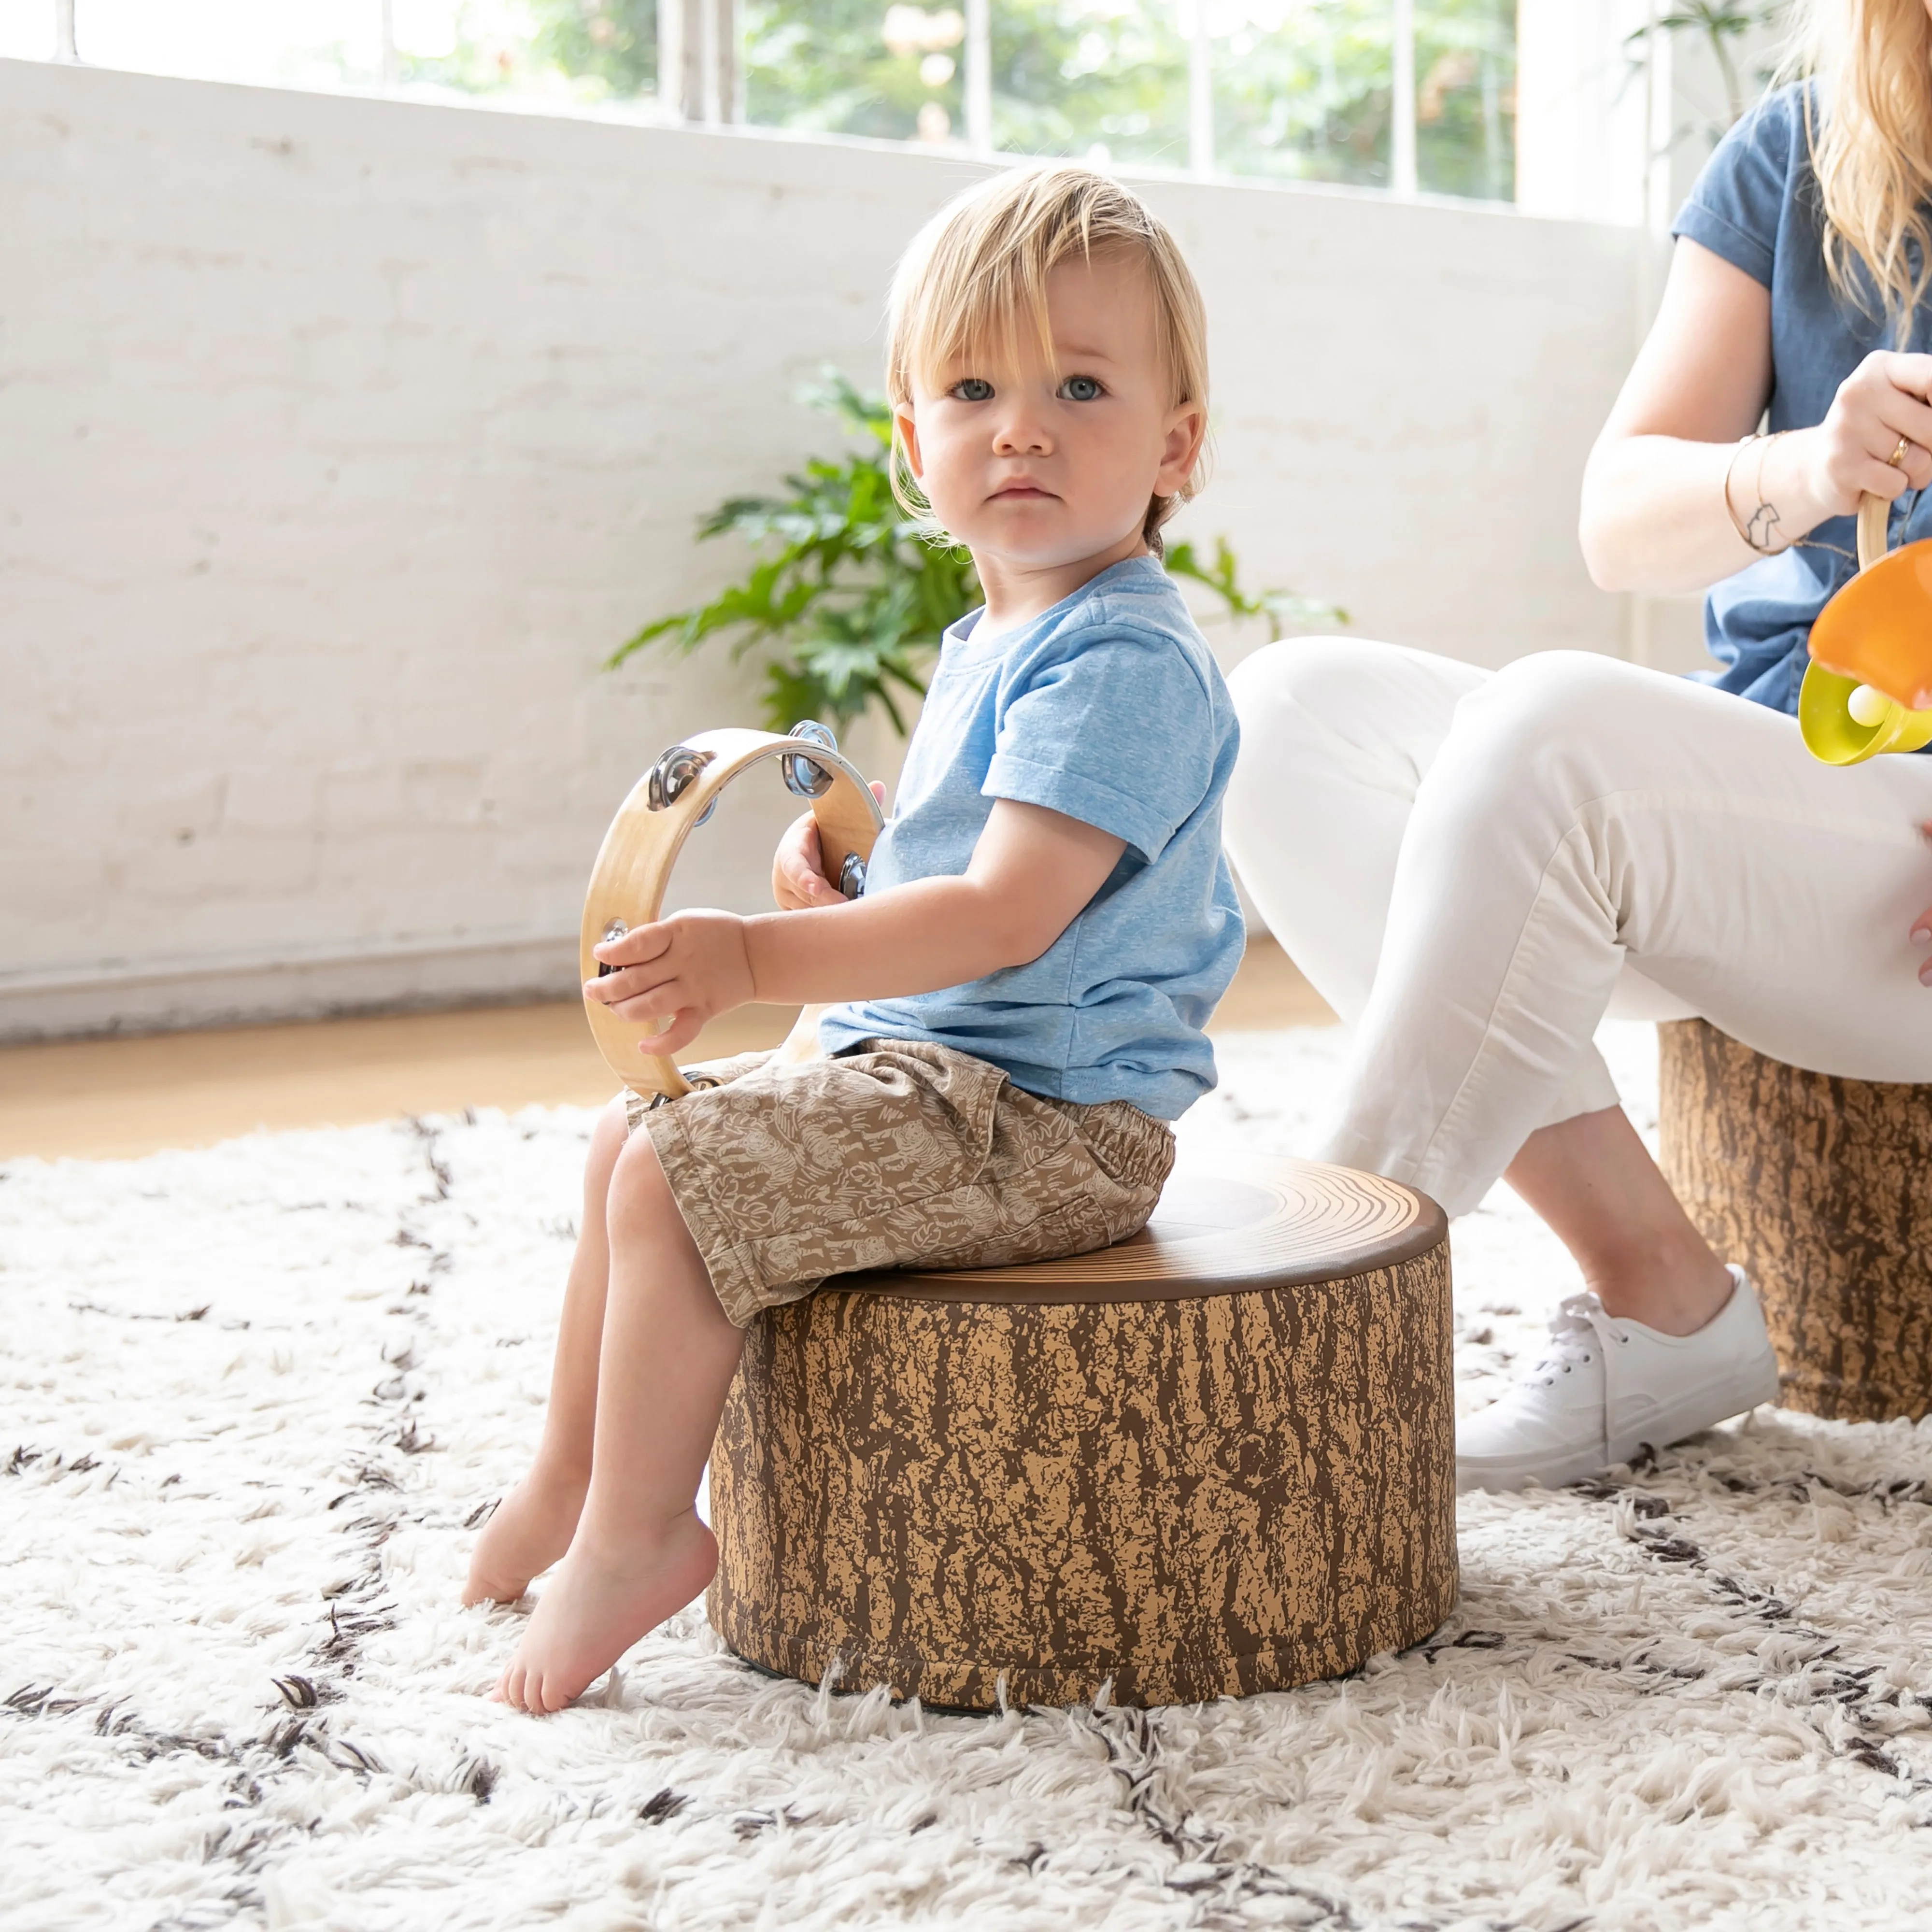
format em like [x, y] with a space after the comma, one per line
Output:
[1868, 687]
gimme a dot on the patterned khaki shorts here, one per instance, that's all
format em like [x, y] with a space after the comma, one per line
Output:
[903, 1155]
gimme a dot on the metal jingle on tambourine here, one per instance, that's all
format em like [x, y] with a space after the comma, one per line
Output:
[672, 775]
[803, 778]
[616, 929]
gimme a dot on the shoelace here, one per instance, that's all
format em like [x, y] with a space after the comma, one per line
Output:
[1576, 1330]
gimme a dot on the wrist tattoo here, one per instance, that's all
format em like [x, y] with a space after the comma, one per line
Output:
[1762, 529]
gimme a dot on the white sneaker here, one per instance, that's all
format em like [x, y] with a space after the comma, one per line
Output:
[1604, 1387]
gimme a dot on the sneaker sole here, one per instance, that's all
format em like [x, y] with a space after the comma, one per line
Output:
[1503, 1474]
[1689, 1417]
[1692, 1416]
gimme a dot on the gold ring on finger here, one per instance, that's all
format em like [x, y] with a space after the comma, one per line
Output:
[1897, 458]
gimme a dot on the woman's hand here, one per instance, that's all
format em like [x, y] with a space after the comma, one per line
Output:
[1655, 514]
[798, 866]
[687, 969]
[1848, 454]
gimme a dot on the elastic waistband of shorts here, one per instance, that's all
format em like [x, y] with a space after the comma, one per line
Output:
[1136, 1149]
[1130, 1145]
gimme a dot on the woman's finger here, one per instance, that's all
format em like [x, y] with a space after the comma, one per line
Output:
[1877, 478]
[1911, 373]
[1900, 415]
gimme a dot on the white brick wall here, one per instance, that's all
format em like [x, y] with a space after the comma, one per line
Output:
[340, 439]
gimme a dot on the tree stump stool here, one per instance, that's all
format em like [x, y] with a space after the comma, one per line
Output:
[1217, 1458]
[1822, 1188]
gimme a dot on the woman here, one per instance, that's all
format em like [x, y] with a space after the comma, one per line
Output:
[1473, 867]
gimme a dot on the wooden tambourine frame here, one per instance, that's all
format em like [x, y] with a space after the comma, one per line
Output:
[666, 806]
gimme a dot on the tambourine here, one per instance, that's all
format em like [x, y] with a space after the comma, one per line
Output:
[666, 806]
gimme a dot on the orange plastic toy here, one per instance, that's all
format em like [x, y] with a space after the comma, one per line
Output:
[1868, 687]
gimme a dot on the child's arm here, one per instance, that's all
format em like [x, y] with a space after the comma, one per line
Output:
[1030, 874]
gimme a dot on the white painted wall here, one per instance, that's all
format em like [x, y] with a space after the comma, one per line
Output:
[340, 440]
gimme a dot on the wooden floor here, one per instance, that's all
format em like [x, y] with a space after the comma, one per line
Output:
[106, 1099]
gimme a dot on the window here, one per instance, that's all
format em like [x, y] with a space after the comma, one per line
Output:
[1406, 93]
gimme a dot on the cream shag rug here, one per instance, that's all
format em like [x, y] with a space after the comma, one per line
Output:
[260, 1393]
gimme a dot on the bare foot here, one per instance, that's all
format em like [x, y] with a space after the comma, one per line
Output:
[601, 1602]
[530, 1528]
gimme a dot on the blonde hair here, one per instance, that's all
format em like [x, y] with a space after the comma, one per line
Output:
[975, 279]
[1871, 135]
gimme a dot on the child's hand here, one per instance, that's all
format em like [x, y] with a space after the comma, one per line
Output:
[687, 969]
[798, 866]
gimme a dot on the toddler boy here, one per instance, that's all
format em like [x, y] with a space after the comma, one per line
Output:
[1047, 924]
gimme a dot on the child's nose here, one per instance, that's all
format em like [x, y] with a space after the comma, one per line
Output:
[1025, 432]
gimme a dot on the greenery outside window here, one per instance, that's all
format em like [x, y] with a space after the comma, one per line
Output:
[1267, 89]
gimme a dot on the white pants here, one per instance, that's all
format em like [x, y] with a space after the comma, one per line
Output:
[1473, 867]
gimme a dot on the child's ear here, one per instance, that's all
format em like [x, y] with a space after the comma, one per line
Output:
[1186, 430]
[908, 429]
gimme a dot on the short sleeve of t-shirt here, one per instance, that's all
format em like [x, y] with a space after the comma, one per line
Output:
[1737, 204]
[1139, 770]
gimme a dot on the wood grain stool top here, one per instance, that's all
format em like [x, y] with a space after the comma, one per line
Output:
[1249, 1221]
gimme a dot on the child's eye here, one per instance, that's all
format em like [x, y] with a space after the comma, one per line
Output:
[973, 389]
[1080, 389]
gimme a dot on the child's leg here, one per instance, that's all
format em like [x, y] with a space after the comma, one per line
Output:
[668, 1355]
[533, 1524]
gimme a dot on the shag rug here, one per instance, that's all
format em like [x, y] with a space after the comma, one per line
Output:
[261, 1393]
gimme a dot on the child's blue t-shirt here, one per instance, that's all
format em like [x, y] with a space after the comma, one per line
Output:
[1109, 708]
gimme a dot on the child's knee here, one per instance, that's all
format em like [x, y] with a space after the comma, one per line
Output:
[607, 1140]
[636, 1188]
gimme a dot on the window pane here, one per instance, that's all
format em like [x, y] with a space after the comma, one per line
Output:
[1106, 79]
[855, 66]
[1466, 98]
[575, 52]
[1301, 89]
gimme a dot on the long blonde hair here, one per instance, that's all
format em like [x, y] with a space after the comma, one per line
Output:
[1871, 132]
[975, 278]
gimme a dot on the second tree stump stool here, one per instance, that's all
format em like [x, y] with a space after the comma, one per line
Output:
[1215, 1459]
[1821, 1190]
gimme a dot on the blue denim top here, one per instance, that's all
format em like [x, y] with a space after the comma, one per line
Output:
[1756, 204]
